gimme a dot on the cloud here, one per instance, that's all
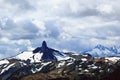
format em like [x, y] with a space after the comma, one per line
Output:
[73, 25]
[22, 4]
[52, 28]
[19, 30]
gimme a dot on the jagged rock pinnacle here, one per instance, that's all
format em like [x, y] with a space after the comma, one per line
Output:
[44, 44]
[43, 48]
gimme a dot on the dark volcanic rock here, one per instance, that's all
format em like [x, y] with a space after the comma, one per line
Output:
[48, 53]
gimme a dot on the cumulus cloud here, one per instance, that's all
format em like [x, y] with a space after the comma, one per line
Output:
[73, 25]
[20, 4]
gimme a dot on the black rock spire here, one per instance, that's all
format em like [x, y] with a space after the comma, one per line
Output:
[48, 53]
[44, 44]
[43, 48]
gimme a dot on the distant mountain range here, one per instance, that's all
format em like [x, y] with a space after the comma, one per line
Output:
[45, 63]
[102, 51]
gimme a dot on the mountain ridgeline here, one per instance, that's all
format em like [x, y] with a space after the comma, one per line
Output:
[45, 63]
[102, 51]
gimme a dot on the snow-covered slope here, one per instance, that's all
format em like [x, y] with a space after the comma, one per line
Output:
[5, 61]
[29, 55]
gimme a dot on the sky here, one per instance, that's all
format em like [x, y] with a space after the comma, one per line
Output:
[67, 25]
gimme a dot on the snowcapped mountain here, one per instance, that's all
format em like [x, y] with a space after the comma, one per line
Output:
[115, 49]
[102, 51]
[42, 53]
[41, 59]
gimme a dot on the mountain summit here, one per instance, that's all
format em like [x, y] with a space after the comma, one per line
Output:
[43, 48]
[101, 47]
[103, 51]
[44, 45]
[42, 53]
[48, 54]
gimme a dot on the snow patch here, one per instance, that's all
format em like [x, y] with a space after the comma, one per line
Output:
[37, 57]
[24, 56]
[40, 68]
[61, 64]
[84, 59]
[61, 57]
[4, 62]
[8, 67]
[114, 59]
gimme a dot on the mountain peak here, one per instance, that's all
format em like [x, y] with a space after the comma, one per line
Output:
[101, 47]
[114, 49]
[48, 54]
[103, 51]
[44, 44]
